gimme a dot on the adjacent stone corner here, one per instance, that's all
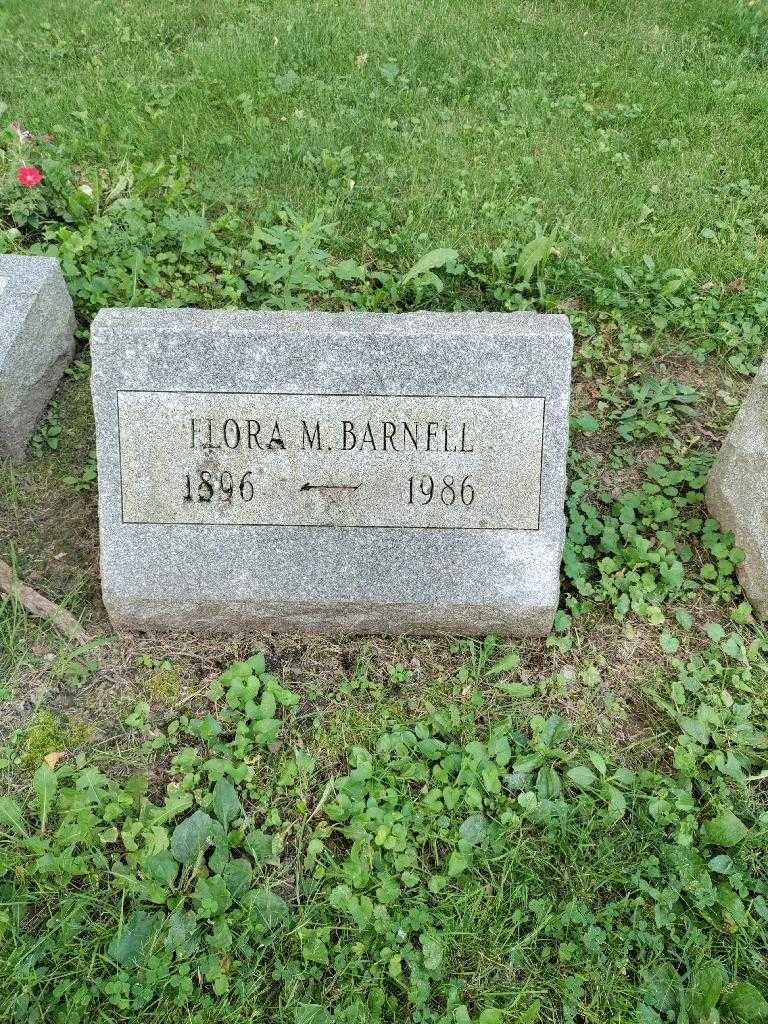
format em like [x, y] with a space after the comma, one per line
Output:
[737, 489]
[36, 344]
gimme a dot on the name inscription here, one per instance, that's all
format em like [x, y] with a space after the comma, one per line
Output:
[404, 461]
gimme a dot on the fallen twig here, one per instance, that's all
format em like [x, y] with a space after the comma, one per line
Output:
[40, 606]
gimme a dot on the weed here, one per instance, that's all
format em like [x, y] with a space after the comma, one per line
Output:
[48, 434]
[86, 481]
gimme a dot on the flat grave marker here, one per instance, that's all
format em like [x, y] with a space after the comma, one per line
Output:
[331, 473]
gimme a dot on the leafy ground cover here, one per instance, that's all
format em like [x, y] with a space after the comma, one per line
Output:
[465, 867]
[287, 830]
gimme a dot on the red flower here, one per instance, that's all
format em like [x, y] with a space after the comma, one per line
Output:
[29, 176]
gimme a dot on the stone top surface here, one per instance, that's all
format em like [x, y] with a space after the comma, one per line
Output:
[386, 552]
[246, 320]
[230, 347]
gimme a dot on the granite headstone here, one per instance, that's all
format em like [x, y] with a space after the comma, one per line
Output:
[331, 472]
[737, 489]
[36, 344]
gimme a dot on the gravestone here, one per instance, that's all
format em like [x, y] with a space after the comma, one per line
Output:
[737, 489]
[36, 344]
[331, 472]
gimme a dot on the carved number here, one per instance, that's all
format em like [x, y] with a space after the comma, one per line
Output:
[206, 484]
[422, 490]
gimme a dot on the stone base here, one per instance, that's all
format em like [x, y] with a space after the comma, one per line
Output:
[450, 603]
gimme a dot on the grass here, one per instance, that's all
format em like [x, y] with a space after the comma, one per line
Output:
[638, 127]
[444, 831]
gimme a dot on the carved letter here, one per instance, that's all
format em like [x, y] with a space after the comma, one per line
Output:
[464, 439]
[348, 428]
[389, 435]
[276, 441]
[231, 433]
[407, 432]
[311, 441]
[367, 437]
[254, 429]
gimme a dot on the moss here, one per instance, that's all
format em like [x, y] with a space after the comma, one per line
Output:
[78, 733]
[163, 683]
[46, 733]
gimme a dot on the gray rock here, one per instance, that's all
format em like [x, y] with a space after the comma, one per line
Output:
[36, 344]
[328, 473]
[737, 489]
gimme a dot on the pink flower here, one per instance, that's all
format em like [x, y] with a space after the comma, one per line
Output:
[29, 175]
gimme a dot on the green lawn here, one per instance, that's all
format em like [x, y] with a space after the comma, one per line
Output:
[638, 126]
[285, 830]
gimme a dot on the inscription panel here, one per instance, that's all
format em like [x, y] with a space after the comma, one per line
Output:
[398, 461]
